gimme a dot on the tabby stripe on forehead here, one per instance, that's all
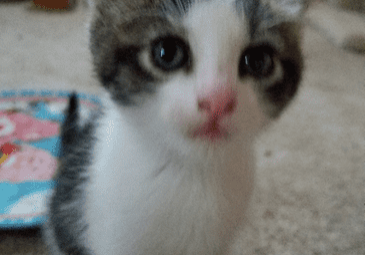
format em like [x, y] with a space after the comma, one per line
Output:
[249, 8]
[180, 7]
[255, 12]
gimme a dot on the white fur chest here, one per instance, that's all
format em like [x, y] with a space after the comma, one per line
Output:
[142, 199]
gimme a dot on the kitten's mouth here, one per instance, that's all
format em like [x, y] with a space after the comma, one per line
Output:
[211, 131]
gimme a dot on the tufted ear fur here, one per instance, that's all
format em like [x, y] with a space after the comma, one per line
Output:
[281, 11]
[289, 8]
[116, 9]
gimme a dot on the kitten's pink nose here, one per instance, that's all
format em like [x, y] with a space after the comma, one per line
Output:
[218, 104]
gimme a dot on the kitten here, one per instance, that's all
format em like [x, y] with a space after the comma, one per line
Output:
[166, 165]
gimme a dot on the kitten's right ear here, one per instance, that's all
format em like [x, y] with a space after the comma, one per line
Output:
[289, 8]
[276, 12]
[90, 3]
[129, 5]
[114, 12]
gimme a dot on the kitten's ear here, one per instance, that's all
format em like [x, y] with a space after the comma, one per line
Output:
[116, 11]
[292, 9]
[129, 4]
[276, 12]
[90, 3]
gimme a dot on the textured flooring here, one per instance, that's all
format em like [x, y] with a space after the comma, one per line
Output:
[310, 193]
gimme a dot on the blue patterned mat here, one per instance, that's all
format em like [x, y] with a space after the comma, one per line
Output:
[29, 148]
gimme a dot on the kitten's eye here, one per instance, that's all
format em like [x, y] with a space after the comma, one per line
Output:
[257, 62]
[169, 53]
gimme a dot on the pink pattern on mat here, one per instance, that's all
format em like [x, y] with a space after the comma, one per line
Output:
[28, 164]
[23, 127]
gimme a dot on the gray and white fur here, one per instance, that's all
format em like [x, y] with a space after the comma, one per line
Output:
[166, 165]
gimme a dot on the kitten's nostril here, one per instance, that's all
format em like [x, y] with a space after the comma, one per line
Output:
[220, 109]
[204, 106]
[230, 107]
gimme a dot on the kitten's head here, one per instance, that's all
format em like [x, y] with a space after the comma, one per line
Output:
[209, 69]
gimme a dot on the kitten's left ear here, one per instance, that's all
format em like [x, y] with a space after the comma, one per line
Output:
[291, 9]
[276, 12]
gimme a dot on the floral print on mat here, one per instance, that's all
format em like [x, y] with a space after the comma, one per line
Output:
[29, 149]
[23, 127]
[28, 164]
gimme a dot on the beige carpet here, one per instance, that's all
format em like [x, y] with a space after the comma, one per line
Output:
[310, 194]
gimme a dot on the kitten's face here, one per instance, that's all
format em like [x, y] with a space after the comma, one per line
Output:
[198, 70]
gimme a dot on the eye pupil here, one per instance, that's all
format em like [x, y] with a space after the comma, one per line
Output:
[169, 53]
[257, 62]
